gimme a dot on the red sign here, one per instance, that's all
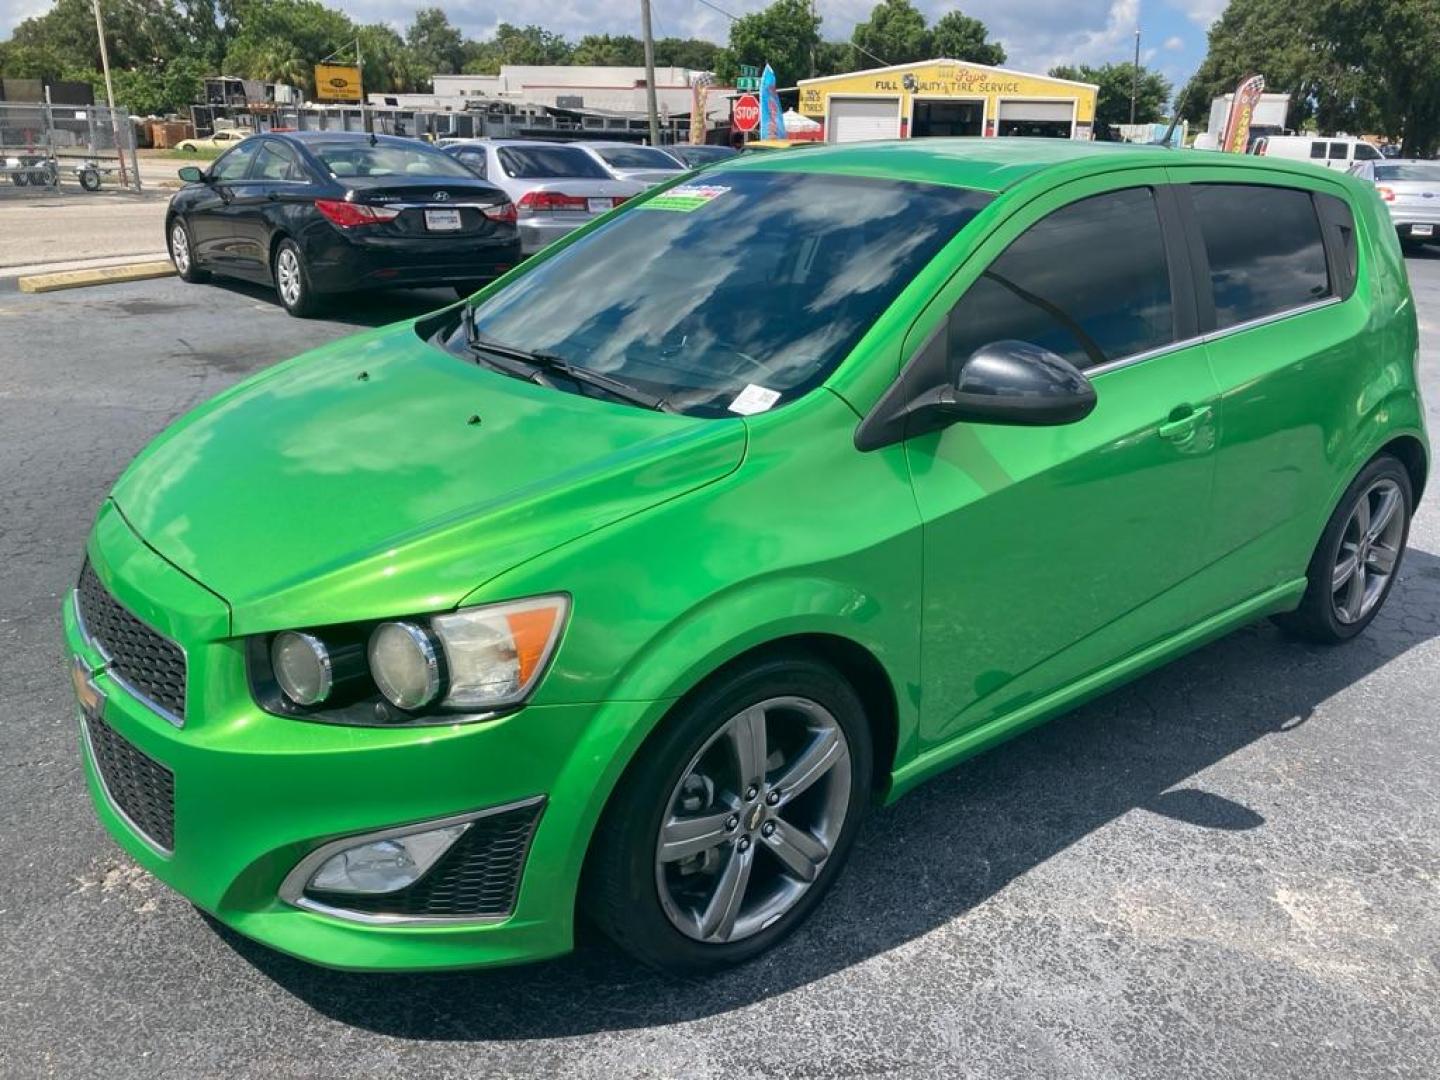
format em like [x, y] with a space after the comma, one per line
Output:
[746, 115]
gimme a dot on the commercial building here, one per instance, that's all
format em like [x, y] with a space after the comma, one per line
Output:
[947, 97]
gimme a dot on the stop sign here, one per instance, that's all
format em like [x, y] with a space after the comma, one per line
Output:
[747, 113]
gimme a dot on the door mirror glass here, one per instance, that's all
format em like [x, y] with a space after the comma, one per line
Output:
[192, 174]
[1012, 382]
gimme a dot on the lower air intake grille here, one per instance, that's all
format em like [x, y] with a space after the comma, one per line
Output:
[141, 787]
[477, 878]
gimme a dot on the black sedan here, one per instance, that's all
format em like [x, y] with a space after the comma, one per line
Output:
[324, 212]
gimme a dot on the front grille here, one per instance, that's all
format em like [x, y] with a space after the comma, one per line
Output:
[142, 788]
[477, 878]
[151, 664]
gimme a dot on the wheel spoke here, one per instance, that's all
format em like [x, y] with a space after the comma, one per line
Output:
[1384, 512]
[747, 738]
[681, 838]
[1382, 559]
[718, 919]
[801, 853]
[1362, 515]
[1355, 594]
[1344, 571]
[816, 760]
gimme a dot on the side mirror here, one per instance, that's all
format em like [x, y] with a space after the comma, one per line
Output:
[192, 174]
[1012, 382]
[1004, 382]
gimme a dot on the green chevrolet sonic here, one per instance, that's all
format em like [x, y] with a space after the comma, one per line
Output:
[621, 590]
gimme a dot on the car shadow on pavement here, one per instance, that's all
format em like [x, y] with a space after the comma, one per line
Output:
[361, 309]
[936, 854]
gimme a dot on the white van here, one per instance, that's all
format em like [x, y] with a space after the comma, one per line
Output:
[1333, 152]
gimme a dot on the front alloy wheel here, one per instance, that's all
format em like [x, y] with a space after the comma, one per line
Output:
[182, 253]
[734, 818]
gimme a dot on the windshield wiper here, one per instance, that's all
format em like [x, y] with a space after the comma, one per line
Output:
[552, 364]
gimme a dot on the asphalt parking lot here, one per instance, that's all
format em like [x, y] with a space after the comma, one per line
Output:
[1230, 868]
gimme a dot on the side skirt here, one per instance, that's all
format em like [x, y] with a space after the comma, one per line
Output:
[969, 743]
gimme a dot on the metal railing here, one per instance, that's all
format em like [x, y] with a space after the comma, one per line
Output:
[49, 146]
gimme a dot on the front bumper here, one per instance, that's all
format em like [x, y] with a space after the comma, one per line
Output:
[254, 794]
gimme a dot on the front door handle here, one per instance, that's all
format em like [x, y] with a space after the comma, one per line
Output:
[1183, 422]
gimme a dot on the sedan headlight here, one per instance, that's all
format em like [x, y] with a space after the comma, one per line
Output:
[476, 660]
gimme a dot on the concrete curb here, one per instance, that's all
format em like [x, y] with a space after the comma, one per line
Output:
[97, 275]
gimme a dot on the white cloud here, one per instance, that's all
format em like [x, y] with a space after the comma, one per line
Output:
[1174, 43]
[1201, 12]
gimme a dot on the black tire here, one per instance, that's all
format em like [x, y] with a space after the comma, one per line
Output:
[1319, 618]
[20, 179]
[190, 272]
[302, 302]
[620, 891]
[467, 289]
[89, 179]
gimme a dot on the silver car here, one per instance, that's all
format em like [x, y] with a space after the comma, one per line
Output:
[631, 161]
[1410, 190]
[556, 187]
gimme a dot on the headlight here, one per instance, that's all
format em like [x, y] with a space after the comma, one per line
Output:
[416, 670]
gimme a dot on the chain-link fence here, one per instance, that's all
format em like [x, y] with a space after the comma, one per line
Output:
[45, 146]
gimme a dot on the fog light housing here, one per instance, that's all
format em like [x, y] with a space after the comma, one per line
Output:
[384, 865]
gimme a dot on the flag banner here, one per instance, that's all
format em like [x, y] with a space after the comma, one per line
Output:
[1242, 107]
[772, 119]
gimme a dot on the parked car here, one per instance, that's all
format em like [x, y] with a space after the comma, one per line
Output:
[758, 146]
[623, 589]
[631, 161]
[1410, 190]
[556, 187]
[221, 140]
[322, 212]
[1330, 152]
[698, 155]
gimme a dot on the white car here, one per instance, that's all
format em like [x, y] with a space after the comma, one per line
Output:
[556, 187]
[1327, 151]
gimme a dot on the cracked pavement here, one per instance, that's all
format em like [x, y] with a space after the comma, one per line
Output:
[1229, 868]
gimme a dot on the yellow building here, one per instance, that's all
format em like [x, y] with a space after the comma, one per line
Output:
[947, 97]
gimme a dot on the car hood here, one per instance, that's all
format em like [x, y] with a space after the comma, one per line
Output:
[380, 476]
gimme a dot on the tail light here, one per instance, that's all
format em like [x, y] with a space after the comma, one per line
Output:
[1388, 194]
[505, 212]
[550, 202]
[350, 215]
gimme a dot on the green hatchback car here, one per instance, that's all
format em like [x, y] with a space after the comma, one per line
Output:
[621, 590]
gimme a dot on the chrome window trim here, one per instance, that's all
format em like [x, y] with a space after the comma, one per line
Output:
[109, 662]
[292, 889]
[144, 837]
[1207, 338]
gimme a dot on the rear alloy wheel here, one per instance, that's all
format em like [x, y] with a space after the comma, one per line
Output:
[292, 280]
[734, 819]
[182, 254]
[1358, 558]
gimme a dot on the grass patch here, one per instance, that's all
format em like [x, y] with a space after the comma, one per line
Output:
[186, 155]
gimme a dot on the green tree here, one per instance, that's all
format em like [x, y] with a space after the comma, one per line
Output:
[692, 53]
[1112, 102]
[437, 46]
[895, 33]
[959, 37]
[781, 35]
[833, 58]
[620, 50]
[1380, 68]
[390, 65]
[282, 40]
[138, 33]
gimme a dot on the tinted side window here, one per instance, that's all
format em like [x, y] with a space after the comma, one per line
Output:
[1366, 152]
[1317, 150]
[276, 161]
[1089, 282]
[1265, 251]
[475, 158]
[236, 163]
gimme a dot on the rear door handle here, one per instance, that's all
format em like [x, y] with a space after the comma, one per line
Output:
[1183, 422]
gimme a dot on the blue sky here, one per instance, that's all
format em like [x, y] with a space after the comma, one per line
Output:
[1036, 33]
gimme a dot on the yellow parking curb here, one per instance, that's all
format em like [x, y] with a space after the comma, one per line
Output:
[100, 275]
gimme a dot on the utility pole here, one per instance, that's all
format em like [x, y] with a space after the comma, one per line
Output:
[1135, 76]
[649, 36]
[110, 90]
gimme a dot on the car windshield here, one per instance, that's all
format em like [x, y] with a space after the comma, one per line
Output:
[1409, 171]
[386, 159]
[698, 155]
[755, 283]
[637, 157]
[550, 163]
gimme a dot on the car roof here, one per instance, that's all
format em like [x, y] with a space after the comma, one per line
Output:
[987, 164]
[310, 138]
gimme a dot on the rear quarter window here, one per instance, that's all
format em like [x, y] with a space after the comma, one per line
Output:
[1265, 250]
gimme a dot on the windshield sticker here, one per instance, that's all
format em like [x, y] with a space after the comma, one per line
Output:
[754, 399]
[685, 198]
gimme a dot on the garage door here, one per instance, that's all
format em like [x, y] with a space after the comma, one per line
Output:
[862, 119]
[1036, 110]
